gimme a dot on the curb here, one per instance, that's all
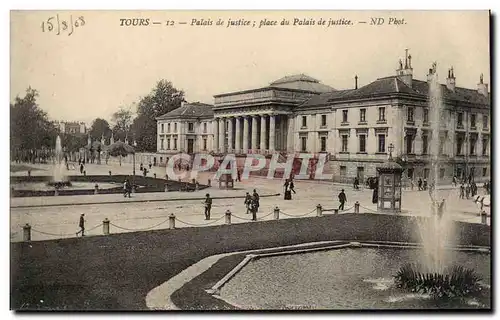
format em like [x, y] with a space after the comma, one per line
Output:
[137, 201]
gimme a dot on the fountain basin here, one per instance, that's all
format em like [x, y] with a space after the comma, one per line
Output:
[345, 278]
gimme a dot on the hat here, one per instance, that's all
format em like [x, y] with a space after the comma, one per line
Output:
[342, 190]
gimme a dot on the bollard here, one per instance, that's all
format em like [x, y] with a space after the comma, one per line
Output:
[197, 186]
[27, 232]
[110, 173]
[319, 210]
[85, 173]
[166, 177]
[228, 217]
[356, 207]
[336, 211]
[105, 227]
[56, 192]
[193, 181]
[276, 213]
[154, 175]
[171, 221]
[29, 173]
[166, 187]
[96, 189]
[209, 182]
[484, 218]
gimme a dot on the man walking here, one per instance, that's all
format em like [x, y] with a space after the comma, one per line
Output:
[462, 191]
[208, 206]
[254, 206]
[342, 199]
[248, 202]
[81, 225]
[292, 186]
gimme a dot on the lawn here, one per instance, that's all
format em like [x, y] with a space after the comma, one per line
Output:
[116, 272]
[22, 167]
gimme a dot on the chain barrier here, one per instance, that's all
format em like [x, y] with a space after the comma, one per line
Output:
[233, 215]
[63, 234]
[371, 210]
[298, 216]
[340, 211]
[267, 215]
[142, 229]
[199, 224]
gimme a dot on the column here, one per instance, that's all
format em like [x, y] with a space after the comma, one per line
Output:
[290, 134]
[254, 133]
[272, 132]
[215, 145]
[222, 134]
[230, 134]
[245, 134]
[263, 134]
[238, 135]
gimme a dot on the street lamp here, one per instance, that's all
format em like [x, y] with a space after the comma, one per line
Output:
[133, 159]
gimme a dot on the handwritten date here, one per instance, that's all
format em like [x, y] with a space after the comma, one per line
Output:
[60, 25]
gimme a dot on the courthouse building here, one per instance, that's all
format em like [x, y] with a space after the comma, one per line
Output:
[354, 127]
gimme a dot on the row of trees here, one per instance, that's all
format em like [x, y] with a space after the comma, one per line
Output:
[142, 128]
[31, 128]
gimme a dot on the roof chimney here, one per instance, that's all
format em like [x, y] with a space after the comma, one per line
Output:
[482, 87]
[356, 82]
[450, 81]
[405, 73]
[183, 102]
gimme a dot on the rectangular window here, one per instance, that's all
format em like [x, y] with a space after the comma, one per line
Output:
[472, 120]
[485, 122]
[441, 146]
[344, 143]
[485, 147]
[441, 173]
[362, 115]
[204, 144]
[161, 144]
[485, 171]
[381, 114]
[190, 127]
[304, 121]
[425, 144]
[323, 144]
[410, 111]
[460, 142]
[409, 144]
[426, 173]
[204, 127]
[303, 141]
[343, 171]
[168, 144]
[323, 120]
[362, 143]
[162, 128]
[472, 146]
[175, 127]
[381, 143]
[168, 127]
[175, 144]
[344, 115]
[426, 115]
[460, 120]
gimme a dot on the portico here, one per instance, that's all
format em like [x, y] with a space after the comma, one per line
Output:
[262, 133]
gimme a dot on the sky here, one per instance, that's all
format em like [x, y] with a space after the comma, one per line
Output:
[103, 65]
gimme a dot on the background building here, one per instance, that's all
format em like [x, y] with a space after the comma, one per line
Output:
[71, 127]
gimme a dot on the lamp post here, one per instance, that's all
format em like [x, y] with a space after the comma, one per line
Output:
[133, 159]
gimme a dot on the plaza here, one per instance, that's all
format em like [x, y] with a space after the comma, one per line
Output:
[57, 216]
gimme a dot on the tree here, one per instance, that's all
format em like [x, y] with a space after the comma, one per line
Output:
[100, 128]
[122, 120]
[30, 128]
[162, 99]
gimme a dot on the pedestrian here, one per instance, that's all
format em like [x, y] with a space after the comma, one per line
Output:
[238, 172]
[419, 184]
[81, 224]
[150, 165]
[126, 189]
[356, 183]
[254, 207]
[248, 200]
[342, 200]
[286, 190]
[467, 191]
[144, 172]
[292, 186]
[455, 181]
[141, 167]
[412, 184]
[81, 168]
[462, 191]
[208, 206]
[425, 184]
[256, 199]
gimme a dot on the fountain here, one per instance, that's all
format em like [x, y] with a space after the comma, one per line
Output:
[59, 179]
[435, 274]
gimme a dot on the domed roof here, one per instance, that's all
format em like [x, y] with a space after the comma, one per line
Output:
[301, 82]
[390, 165]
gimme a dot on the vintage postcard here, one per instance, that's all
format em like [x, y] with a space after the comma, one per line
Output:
[250, 160]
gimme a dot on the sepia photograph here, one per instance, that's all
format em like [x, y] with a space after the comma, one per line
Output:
[204, 160]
